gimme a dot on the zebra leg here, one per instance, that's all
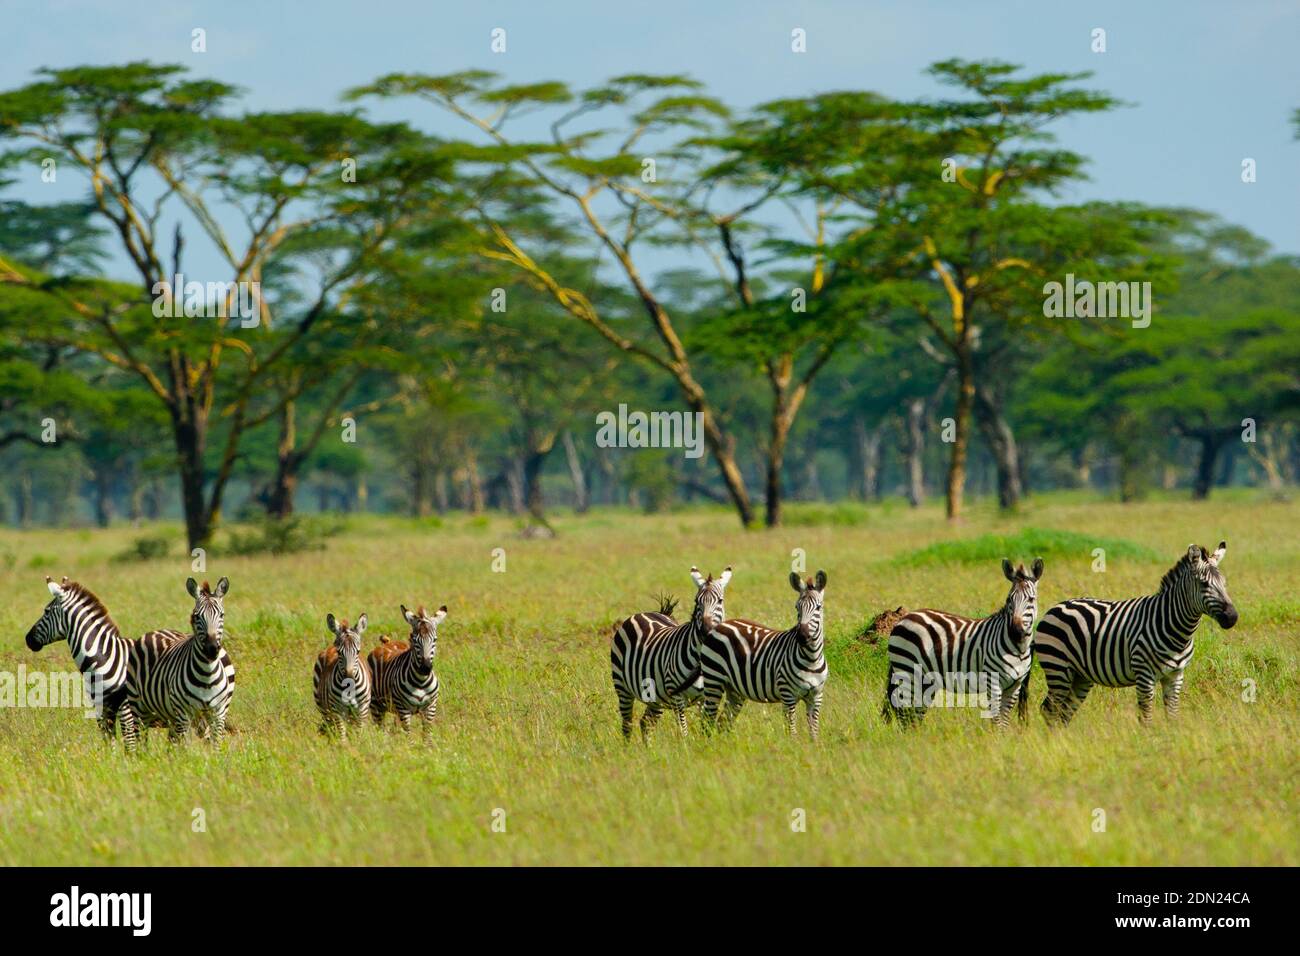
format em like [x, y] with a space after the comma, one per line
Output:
[126, 717]
[1146, 693]
[732, 708]
[624, 712]
[712, 698]
[1056, 705]
[216, 726]
[813, 704]
[430, 712]
[679, 709]
[789, 707]
[1171, 689]
[648, 720]
[177, 729]
[404, 719]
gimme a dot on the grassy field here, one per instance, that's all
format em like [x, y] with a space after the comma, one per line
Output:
[528, 733]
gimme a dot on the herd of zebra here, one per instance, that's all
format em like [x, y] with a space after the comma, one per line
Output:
[175, 680]
[1137, 642]
[181, 681]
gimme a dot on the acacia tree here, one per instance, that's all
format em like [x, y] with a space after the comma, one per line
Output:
[605, 176]
[149, 140]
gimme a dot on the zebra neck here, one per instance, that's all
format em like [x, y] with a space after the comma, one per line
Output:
[1004, 636]
[1174, 609]
[413, 667]
[82, 627]
[810, 642]
[195, 652]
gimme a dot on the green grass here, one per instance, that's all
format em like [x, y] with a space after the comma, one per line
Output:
[529, 724]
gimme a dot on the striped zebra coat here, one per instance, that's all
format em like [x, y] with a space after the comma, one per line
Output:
[1138, 643]
[657, 661]
[401, 673]
[178, 680]
[933, 652]
[747, 661]
[340, 679]
[101, 653]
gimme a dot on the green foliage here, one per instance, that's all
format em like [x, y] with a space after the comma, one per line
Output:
[283, 536]
[1025, 545]
[147, 548]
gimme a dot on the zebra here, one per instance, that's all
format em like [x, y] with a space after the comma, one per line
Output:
[340, 680]
[176, 680]
[747, 661]
[1133, 643]
[657, 661]
[934, 651]
[401, 674]
[102, 654]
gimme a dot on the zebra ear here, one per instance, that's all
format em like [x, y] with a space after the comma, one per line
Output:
[725, 577]
[332, 624]
[1194, 553]
[362, 621]
[193, 587]
[697, 577]
[1007, 570]
[222, 587]
[410, 618]
[55, 589]
[1219, 552]
[1038, 568]
[440, 616]
[796, 582]
[821, 580]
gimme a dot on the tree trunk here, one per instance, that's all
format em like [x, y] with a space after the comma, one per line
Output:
[420, 492]
[1211, 443]
[23, 502]
[961, 437]
[515, 487]
[441, 497]
[775, 461]
[189, 440]
[279, 500]
[473, 482]
[103, 482]
[914, 451]
[1002, 443]
[581, 498]
[868, 454]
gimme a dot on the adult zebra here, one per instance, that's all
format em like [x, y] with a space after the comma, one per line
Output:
[988, 658]
[176, 680]
[748, 661]
[1134, 643]
[656, 661]
[101, 652]
[401, 674]
[340, 679]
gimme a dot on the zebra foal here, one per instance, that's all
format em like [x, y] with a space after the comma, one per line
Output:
[340, 679]
[401, 673]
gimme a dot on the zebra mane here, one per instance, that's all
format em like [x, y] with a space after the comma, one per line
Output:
[1174, 574]
[92, 603]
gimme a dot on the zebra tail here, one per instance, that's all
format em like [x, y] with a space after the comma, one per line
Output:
[1022, 705]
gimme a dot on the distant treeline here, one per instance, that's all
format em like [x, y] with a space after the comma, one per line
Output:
[839, 296]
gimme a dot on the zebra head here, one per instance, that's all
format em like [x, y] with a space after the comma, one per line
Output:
[424, 633]
[208, 619]
[1209, 587]
[1022, 601]
[808, 606]
[347, 642]
[709, 612]
[54, 623]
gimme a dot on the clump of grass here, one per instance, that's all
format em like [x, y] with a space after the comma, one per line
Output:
[842, 514]
[148, 548]
[292, 535]
[1046, 543]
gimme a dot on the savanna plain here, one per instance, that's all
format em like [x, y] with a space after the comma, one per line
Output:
[525, 764]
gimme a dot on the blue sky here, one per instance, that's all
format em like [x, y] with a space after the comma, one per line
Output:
[1211, 83]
